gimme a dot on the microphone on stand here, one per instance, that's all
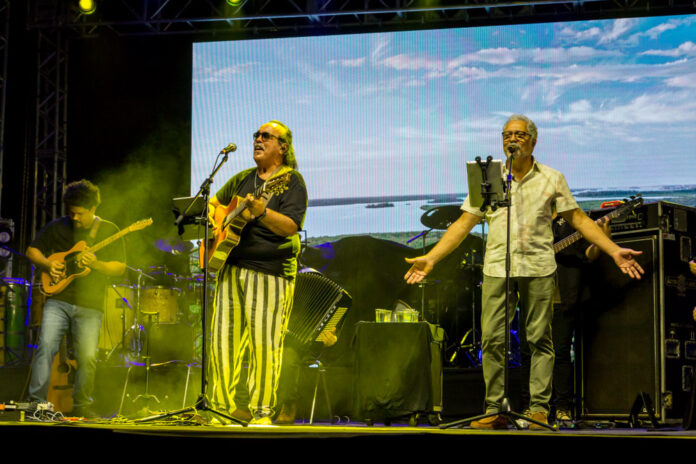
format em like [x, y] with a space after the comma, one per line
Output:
[512, 149]
[229, 148]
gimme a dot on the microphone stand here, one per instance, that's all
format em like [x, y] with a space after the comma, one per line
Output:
[505, 409]
[201, 403]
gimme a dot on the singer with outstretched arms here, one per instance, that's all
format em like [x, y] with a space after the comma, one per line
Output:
[536, 192]
[255, 286]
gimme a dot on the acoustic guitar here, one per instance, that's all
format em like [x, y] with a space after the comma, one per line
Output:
[61, 383]
[69, 258]
[228, 223]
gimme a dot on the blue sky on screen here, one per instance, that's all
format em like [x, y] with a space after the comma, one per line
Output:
[401, 113]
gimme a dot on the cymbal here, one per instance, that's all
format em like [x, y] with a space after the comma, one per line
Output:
[441, 217]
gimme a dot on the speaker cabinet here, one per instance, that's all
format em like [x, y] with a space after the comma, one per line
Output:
[639, 335]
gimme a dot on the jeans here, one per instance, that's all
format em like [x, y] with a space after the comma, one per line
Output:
[84, 324]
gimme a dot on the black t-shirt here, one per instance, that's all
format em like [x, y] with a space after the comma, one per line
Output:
[259, 248]
[60, 236]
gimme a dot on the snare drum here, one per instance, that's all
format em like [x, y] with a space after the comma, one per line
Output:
[162, 300]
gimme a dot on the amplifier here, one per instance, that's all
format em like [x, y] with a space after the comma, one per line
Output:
[639, 336]
[670, 218]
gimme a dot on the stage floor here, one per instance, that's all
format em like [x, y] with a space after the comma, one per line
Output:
[346, 439]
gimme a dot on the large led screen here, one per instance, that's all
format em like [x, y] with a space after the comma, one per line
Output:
[384, 123]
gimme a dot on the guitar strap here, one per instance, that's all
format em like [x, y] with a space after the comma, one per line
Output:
[95, 228]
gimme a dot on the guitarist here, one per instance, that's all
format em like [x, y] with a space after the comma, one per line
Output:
[255, 287]
[79, 307]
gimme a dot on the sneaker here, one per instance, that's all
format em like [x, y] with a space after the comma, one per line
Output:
[263, 420]
[493, 422]
[564, 419]
[539, 416]
[521, 423]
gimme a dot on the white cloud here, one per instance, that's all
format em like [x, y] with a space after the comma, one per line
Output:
[686, 81]
[349, 63]
[579, 36]
[656, 108]
[618, 28]
[570, 54]
[413, 62]
[224, 74]
[608, 34]
[380, 48]
[655, 32]
[685, 49]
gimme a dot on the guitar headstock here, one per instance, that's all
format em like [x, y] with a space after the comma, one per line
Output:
[636, 201]
[139, 225]
[277, 185]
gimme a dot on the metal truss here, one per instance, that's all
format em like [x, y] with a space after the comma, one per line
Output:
[4, 54]
[213, 18]
[50, 144]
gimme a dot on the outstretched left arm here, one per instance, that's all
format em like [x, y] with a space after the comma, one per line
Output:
[623, 257]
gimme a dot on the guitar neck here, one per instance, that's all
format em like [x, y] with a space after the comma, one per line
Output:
[569, 240]
[110, 240]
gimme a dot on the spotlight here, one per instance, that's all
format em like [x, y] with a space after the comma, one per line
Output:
[235, 2]
[87, 6]
[6, 234]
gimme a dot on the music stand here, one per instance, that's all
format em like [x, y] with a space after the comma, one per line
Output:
[489, 175]
[196, 212]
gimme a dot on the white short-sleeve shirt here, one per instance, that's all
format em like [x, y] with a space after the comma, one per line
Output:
[534, 199]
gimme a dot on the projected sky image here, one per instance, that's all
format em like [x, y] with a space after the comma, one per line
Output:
[398, 115]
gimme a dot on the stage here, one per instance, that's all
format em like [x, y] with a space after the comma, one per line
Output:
[349, 439]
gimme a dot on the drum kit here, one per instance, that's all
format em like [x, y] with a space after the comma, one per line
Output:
[157, 301]
[454, 302]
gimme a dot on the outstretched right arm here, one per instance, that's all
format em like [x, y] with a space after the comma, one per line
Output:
[422, 265]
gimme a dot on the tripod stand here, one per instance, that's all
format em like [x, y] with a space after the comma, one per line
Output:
[201, 403]
[489, 199]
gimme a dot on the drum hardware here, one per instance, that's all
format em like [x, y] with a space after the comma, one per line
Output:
[470, 344]
[119, 315]
[147, 396]
[194, 211]
[437, 218]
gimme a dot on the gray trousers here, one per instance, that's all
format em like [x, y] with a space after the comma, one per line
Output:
[536, 312]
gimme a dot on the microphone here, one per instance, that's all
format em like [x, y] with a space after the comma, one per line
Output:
[512, 148]
[229, 148]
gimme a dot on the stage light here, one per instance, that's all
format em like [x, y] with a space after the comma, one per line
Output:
[87, 6]
[6, 234]
[235, 2]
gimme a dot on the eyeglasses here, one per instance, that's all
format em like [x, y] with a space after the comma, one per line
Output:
[518, 135]
[266, 136]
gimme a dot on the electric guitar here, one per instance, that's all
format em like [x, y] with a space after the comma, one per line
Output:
[228, 223]
[621, 210]
[69, 258]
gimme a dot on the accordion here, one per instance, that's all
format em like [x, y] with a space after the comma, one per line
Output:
[319, 305]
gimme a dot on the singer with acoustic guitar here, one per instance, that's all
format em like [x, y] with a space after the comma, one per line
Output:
[78, 306]
[255, 229]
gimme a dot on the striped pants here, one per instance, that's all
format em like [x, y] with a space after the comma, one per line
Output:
[251, 311]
